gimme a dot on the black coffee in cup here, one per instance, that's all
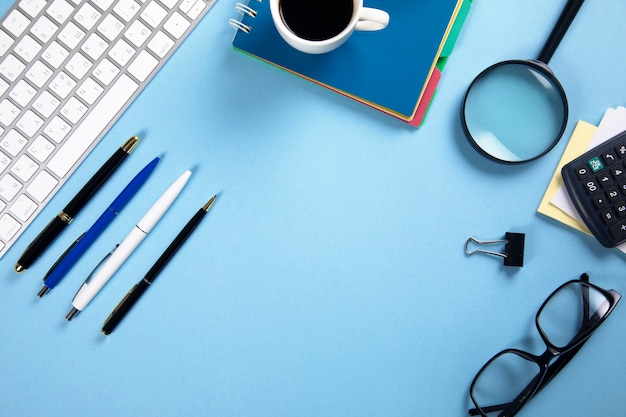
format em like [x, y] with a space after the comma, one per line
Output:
[316, 20]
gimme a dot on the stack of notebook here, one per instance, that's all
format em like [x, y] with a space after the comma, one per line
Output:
[395, 70]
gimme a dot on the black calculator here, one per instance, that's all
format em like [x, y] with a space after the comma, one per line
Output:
[596, 184]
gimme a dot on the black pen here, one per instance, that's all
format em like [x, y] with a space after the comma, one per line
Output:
[135, 293]
[58, 223]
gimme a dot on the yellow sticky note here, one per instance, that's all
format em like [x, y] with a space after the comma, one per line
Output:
[577, 145]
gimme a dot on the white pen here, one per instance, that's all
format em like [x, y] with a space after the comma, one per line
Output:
[96, 280]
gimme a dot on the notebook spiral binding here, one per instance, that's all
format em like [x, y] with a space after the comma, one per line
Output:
[243, 9]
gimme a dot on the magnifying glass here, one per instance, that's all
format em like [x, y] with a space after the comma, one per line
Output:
[516, 111]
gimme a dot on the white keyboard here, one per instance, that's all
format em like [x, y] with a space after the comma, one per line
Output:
[68, 69]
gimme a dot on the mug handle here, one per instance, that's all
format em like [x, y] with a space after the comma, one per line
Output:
[372, 19]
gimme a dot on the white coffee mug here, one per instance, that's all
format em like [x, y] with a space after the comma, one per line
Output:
[362, 19]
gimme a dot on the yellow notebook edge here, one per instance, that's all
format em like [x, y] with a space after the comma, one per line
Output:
[579, 141]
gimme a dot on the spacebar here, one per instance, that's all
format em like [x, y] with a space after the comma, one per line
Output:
[91, 127]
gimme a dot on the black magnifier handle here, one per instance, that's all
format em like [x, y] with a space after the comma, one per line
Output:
[567, 17]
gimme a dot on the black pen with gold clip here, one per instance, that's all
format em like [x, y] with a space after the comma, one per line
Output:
[137, 291]
[65, 217]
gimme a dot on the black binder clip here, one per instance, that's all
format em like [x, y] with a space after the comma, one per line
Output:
[513, 249]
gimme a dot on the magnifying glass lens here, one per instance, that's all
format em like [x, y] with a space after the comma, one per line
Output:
[515, 111]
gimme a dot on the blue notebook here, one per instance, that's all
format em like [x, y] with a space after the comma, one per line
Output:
[394, 70]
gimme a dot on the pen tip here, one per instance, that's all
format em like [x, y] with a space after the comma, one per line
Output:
[209, 203]
[73, 313]
[19, 268]
[43, 291]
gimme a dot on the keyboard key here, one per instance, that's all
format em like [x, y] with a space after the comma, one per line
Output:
[176, 25]
[94, 46]
[13, 142]
[16, 23]
[87, 16]
[32, 7]
[138, 33]
[121, 52]
[106, 72]
[23, 207]
[5, 161]
[30, 123]
[5, 42]
[41, 148]
[78, 65]
[60, 10]
[160, 44]
[62, 85]
[55, 54]
[24, 168]
[71, 35]
[4, 86]
[153, 14]
[8, 112]
[57, 129]
[8, 227]
[110, 27]
[143, 66]
[28, 48]
[126, 9]
[39, 74]
[9, 187]
[46, 104]
[196, 9]
[74, 110]
[43, 29]
[103, 4]
[22, 93]
[41, 187]
[89, 91]
[11, 68]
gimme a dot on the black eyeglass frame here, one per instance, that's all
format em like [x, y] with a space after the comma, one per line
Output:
[564, 354]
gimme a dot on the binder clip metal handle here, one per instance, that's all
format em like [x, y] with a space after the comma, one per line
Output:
[513, 249]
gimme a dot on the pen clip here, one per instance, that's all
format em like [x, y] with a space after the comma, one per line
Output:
[122, 301]
[99, 264]
[63, 255]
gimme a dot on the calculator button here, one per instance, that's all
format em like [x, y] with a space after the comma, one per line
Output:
[612, 193]
[591, 186]
[595, 164]
[609, 157]
[620, 150]
[599, 200]
[604, 180]
[620, 209]
[608, 215]
[582, 171]
[618, 230]
[617, 172]
[622, 186]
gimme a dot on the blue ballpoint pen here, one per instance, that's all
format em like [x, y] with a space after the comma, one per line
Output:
[80, 246]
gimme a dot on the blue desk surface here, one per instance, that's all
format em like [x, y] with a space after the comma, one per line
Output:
[330, 278]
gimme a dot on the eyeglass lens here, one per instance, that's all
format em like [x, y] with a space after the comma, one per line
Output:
[561, 319]
[502, 381]
[514, 112]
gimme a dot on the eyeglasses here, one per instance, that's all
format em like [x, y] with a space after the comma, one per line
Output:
[565, 321]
